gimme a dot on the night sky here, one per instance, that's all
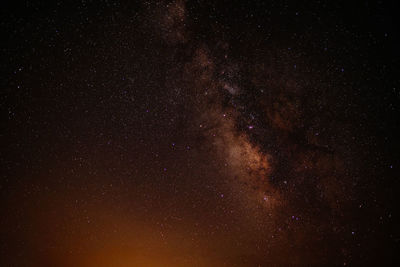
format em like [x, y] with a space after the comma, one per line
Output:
[199, 133]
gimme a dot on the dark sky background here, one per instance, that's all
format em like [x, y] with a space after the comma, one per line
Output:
[199, 133]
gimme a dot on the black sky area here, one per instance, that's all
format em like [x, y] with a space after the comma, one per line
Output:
[199, 133]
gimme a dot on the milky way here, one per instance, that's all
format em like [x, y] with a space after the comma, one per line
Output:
[194, 133]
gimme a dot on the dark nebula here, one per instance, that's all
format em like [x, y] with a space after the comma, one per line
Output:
[199, 133]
